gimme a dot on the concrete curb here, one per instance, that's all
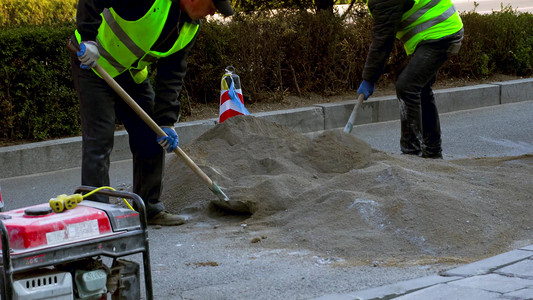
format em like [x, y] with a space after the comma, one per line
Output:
[61, 154]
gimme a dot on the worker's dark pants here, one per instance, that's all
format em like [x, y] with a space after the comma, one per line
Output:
[420, 125]
[99, 105]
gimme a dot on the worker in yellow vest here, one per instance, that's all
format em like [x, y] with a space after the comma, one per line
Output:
[125, 37]
[431, 31]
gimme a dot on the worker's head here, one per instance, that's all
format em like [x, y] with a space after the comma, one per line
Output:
[198, 9]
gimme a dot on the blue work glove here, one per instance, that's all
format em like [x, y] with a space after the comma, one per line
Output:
[88, 54]
[169, 142]
[366, 88]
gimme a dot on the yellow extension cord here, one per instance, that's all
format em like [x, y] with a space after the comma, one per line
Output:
[64, 202]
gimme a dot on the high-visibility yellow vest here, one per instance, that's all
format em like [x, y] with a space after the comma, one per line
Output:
[126, 45]
[428, 20]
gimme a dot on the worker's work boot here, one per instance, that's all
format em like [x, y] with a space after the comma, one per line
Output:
[433, 155]
[164, 218]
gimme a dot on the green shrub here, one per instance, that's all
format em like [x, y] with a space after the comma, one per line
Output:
[499, 42]
[290, 52]
[36, 12]
[277, 54]
[37, 99]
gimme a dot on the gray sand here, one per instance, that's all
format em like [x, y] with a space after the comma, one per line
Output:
[334, 194]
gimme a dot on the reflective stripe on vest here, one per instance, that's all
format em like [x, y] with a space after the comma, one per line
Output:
[125, 45]
[428, 20]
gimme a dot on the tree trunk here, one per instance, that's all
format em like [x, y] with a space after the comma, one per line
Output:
[326, 5]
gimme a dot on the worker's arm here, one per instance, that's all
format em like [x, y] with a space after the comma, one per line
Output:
[169, 82]
[386, 15]
[88, 17]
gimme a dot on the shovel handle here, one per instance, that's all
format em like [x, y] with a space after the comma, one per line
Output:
[153, 125]
[349, 125]
[146, 118]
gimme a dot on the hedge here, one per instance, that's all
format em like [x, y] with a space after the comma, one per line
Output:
[36, 12]
[290, 52]
[37, 99]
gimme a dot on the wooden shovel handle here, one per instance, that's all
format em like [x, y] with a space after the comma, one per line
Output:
[349, 125]
[145, 117]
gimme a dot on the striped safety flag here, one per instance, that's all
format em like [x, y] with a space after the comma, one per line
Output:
[231, 100]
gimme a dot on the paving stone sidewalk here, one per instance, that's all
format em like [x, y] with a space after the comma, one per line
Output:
[505, 276]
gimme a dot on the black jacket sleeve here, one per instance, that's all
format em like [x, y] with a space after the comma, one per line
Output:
[168, 84]
[387, 16]
[88, 17]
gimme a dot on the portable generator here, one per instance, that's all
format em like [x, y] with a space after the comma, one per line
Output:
[75, 250]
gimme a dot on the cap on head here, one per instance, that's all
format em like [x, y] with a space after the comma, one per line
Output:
[224, 7]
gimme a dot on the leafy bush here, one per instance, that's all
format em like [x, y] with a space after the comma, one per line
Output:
[36, 12]
[289, 52]
[500, 42]
[37, 99]
[275, 54]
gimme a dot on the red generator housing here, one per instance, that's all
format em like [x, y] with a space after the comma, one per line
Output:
[49, 255]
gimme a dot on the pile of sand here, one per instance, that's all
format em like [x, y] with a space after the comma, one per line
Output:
[335, 194]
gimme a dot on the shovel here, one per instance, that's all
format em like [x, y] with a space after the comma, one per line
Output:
[349, 126]
[223, 202]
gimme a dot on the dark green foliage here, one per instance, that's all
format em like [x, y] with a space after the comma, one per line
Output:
[36, 12]
[289, 52]
[276, 54]
[264, 5]
[499, 42]
[37, 100]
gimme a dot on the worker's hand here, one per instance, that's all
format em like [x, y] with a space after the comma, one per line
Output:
[169, 142]
[366, 88]
[88, 54]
